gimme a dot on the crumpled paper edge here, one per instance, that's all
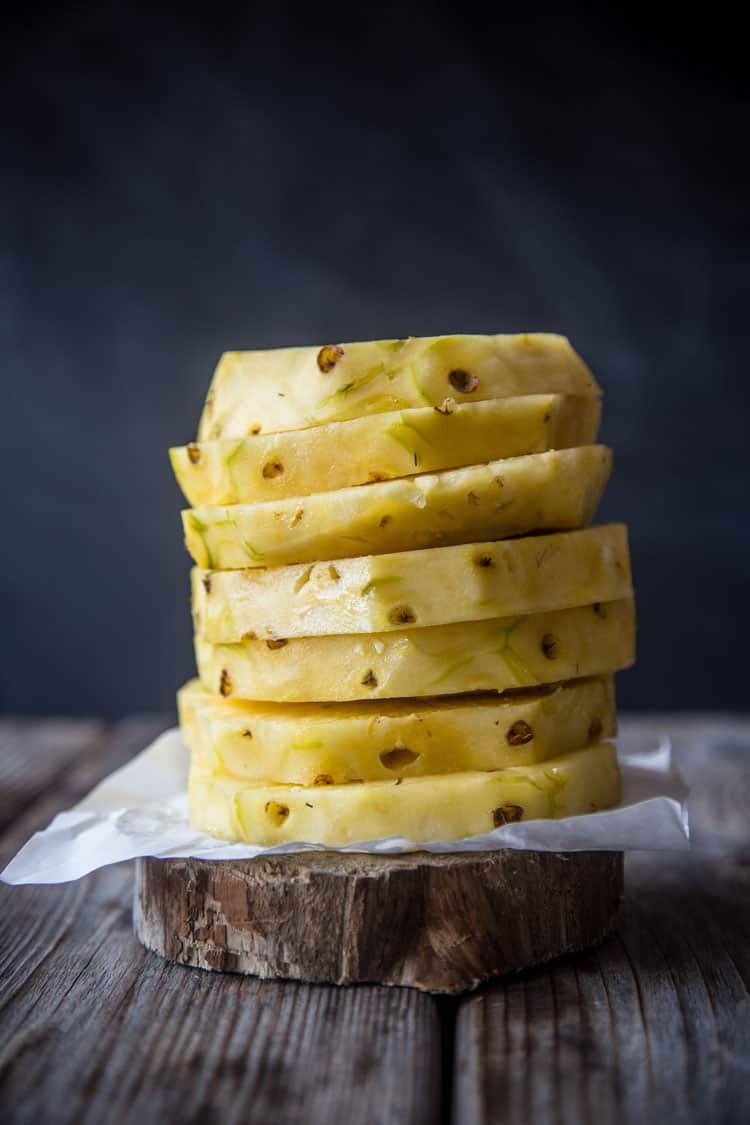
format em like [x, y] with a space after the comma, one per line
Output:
[114, 823]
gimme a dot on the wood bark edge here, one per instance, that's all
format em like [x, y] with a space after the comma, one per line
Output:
[439, 923]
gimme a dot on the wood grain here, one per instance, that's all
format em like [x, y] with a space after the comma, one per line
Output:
[34, 756]
[654, 1025]
[99, 751]
[94, 1028]
[440, 923]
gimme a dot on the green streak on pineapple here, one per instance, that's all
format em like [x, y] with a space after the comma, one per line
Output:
[404, 443]
[252, 551]
[198, 528]
[374, 583]
[355, 384]
[451, 671]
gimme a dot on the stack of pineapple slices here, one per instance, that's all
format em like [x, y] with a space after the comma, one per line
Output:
[403, 621]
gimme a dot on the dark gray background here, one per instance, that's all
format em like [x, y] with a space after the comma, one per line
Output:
[244, 176]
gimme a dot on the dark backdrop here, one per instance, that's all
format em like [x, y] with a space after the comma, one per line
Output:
[181, 181]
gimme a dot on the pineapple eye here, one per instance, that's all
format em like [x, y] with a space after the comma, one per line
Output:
[595, 728]
[194, 453]
[323, 779]
[272, 469]
[402, 615]
[550, 646]
[519, 733]
[329, 356]
[369, 679]
[398, 758]
[225, 683]
[506, 814]
[463, 381]
[276, 813]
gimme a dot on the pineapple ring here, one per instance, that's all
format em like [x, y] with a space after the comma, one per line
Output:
[446, 807]
[553, 490]
[381, 447]
[496, 655]
[319, 744]
[437, 586]
[293, 388]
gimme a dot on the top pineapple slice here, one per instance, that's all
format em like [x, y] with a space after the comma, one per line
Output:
[381, 447]
[292, 388]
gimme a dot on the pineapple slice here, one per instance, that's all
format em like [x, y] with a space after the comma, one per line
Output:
[321, 744]
[381, 447]
[293, 388]
[447, 807]
[552, 490]
[495, 655]
[437, 586]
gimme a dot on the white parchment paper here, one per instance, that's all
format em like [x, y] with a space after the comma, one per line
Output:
[141, 810]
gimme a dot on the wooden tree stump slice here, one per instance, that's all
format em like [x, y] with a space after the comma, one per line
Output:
[439, 923]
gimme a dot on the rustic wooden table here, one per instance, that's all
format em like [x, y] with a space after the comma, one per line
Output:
[652, 1026]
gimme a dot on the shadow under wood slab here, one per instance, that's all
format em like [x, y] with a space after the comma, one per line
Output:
[439, 923]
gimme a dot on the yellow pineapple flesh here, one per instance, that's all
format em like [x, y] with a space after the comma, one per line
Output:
[381, 447]
[542, 491]
[319, 744]
[436, 586]
[293, 388]
[442, 807]
[495, 655]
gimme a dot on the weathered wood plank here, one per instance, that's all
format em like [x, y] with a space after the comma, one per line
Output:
[655, 1024]
[35, 754]
[94, 1028]
[713, 754]
[96, 757]
[48, 912]
[98, 1029]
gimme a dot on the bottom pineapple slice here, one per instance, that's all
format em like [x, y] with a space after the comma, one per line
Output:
[327, 744]
[446, 807]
